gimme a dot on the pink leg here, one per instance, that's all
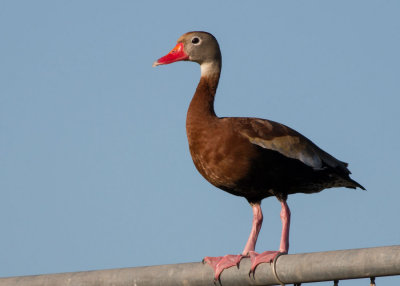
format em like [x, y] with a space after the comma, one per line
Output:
[255, 229]
[285, 217]
[269, 256]
[224, 262]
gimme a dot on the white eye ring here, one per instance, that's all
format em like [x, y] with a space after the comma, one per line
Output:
[195, 40]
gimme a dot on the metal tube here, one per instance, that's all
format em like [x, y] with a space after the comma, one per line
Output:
[295, 268]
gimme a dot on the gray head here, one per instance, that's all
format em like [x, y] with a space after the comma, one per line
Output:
[199, 47]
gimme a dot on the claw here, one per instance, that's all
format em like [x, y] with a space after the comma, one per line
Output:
[252, 272]
[265, 257]
[221, 263]
[217, 281]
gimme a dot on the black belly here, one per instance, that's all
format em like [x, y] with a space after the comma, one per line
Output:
[273, 174]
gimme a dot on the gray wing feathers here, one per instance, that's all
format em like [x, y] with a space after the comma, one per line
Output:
[280, 138]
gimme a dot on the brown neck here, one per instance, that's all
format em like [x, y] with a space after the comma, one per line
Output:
[201, 107]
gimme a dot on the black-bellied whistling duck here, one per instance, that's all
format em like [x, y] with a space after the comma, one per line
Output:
[249, 157]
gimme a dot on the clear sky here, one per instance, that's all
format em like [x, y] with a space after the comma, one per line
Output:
[95, 171]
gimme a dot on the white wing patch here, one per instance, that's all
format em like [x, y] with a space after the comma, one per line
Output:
[289, 146]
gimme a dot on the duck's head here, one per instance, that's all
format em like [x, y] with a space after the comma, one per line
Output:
[199, 47]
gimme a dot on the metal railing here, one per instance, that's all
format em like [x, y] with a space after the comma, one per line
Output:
[290, 269]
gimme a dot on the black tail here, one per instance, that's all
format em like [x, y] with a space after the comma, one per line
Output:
[354, 184]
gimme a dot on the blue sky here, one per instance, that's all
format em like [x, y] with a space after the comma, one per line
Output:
[95, 171]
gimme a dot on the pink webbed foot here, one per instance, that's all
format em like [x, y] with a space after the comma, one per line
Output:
[265, 257]
[222, 262]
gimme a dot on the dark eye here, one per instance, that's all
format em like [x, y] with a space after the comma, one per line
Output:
[195, 40]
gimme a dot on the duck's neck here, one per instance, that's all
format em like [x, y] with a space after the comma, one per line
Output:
[201, 107]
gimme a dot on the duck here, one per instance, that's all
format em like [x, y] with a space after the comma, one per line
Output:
[249, 157]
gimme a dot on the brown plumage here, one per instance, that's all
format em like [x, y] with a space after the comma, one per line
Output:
[257, 158]
[249, 157]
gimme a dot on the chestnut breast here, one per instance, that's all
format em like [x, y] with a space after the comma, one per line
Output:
[220, 154]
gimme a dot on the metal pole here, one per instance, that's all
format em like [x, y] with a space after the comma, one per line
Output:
[294, 268]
